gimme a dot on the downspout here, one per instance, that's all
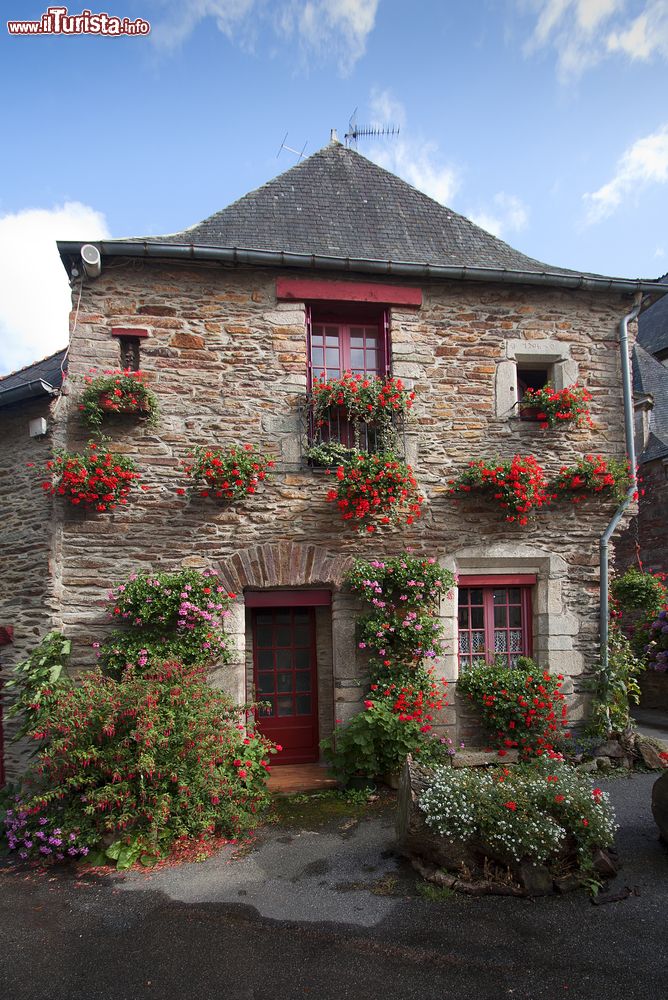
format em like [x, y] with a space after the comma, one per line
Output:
[630, 493]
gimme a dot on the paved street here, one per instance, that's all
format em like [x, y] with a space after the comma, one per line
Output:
[327, 911]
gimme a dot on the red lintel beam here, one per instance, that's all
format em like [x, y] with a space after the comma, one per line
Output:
[129, 331]
[311, 290]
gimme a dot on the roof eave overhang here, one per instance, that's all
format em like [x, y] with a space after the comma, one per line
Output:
[277, 258]
[26, 390]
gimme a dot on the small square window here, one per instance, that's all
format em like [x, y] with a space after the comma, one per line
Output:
[129, 353]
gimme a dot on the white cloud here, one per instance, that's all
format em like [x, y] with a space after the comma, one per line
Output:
[508, 214]
[660, 252]
[35, 301]
[583, 32]
[418, 161]
[645, 36]
[645, 162]
[329, 29]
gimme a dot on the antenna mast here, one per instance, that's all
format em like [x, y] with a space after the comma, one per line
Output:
[299, 154]
[356, 131]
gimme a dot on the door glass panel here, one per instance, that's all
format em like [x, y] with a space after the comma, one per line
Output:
[284, 681]
[265, 659]
[302, 635]
[282, 618]
[303, 704]
[264, 635]
[284, 705]
[463, 642]
[514, 595]
[478, 642]
[283, 635]
[303, 680]
[500, 596]
[501, 642]
[516, 642]
[265, 684]
[283, 659]
[357, 358]
[463, 617]
[356, 341]
[264, 618]
[302, 659]
[475, 594]
[302, 618]
[268, 709]
[515, 617]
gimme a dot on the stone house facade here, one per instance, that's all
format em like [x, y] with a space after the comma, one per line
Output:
[226, 318]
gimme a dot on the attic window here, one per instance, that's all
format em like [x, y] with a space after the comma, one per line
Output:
[531, 378]
[129, 347]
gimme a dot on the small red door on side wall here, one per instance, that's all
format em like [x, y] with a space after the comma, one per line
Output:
[285, 674]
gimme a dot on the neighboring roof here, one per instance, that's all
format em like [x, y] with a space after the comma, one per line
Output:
[650, 377]
[39, 379]
[338, 210]
[653, 325]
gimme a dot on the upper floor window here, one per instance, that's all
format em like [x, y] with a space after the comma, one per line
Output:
[345, 342]
[494, 619]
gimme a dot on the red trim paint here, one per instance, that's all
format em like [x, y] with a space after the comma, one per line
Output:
[128, 331]
[288, 598]
[507, 580]
[310, 290]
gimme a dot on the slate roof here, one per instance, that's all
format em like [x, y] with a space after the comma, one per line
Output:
[49, 370]
[653, 325]
[338, 203]
[651, 377]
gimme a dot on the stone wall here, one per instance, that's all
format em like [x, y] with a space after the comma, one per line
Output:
[228, 364]
[646, 537]
[26, 593]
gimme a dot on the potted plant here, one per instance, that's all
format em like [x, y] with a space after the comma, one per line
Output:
[557, 407]
[518, 486]
[117, 392]
[226, 474]
[375, 490]
[358, 409]
[99, 480]
[592, 476]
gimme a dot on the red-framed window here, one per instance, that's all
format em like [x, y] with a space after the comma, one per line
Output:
[495, 618]
[347, 340]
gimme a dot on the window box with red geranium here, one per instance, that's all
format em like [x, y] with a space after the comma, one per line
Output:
[356, 411]
[592, 476]
[120, 392]
[518, 487]
[376, 490]
[99, 480]
[556, 407]
[226, 474]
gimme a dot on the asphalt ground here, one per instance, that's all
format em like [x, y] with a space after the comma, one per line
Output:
[323, 908]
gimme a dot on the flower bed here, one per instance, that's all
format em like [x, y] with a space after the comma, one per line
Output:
[376, 490]
[592, 476]
[227, 474]
[99, 480]
[120, 391]
[519, 486]
[557, 407]
[528, 812]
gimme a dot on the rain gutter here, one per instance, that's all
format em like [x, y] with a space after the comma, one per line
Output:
[26, 390]
[279, 258]
[631, 492]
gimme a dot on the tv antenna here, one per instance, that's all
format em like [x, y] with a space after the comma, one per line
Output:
[299, 154]
[356, 131]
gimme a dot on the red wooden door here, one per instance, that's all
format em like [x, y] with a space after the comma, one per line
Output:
[285, 675]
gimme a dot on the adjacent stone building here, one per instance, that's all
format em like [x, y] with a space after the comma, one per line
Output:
[335, 264]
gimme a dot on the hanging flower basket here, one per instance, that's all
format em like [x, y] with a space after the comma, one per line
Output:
[592, 477]
[99, 480]
[518, 487]
[557, 408]
[361, 402]
[118, 392]
[376, 490]
[225, 474]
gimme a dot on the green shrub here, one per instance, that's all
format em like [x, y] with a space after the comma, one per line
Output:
[134, 763]
[36, 679]
[521, 706]
[374, 743]
[528, 811]
[167, 616]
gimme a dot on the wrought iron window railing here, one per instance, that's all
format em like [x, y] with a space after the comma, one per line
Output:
[349, 435]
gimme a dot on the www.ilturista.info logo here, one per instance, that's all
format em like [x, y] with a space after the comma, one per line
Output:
[57, 21]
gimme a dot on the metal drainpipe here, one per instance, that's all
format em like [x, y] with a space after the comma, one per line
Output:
[631, 455]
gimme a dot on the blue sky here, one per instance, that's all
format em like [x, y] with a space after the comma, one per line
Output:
[545, 121]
